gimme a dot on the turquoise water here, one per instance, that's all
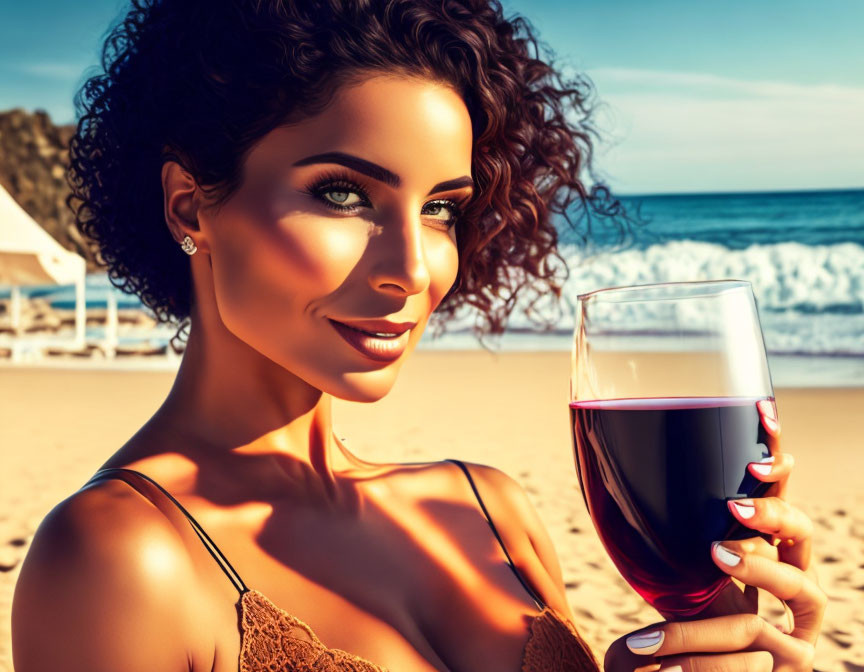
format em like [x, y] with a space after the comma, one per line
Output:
[737, 221]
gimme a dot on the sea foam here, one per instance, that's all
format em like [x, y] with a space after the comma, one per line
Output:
[810, 297]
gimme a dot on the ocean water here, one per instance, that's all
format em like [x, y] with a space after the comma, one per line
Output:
[803, 252]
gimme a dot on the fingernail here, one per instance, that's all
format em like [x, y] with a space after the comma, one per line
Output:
[744, 507]
[645, 643]
[763, 466]
[674, 668]
[726, 556]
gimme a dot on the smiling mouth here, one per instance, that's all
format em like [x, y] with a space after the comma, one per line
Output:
[378, 346]
[376, 334]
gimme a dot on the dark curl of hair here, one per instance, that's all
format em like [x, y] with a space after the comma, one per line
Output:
[199, 83]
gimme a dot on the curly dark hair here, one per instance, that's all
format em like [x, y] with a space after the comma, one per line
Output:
[199, 83]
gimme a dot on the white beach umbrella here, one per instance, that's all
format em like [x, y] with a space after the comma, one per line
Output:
[29, 255]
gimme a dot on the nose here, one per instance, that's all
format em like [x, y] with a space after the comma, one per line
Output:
[400, 257]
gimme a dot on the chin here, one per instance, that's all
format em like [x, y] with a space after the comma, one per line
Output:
[366, 386]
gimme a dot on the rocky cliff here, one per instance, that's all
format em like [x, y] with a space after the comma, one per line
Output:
[34, 155]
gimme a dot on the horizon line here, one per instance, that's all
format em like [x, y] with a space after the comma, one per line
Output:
[752, 192]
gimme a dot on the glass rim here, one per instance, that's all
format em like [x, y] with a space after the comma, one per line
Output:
[727, 284]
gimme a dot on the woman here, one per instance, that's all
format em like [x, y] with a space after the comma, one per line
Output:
[334, 172]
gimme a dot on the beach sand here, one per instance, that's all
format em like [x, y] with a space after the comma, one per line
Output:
[509, 410]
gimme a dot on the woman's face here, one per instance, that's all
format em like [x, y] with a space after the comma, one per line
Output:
[348, 216]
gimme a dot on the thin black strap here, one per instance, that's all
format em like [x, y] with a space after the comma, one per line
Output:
[540, 604]
[205, 538]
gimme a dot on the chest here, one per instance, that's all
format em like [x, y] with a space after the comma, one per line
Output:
[421, 588]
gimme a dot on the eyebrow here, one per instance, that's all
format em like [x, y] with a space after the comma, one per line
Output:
[377, 172]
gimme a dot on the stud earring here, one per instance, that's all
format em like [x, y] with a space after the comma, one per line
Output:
[188, 246]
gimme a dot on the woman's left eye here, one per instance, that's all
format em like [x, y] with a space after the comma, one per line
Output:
[437, 206]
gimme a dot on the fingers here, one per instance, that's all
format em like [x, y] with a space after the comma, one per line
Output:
[768, 414]
[790, 584]
[772, 469]
[751, 661]
[778, 517]
[675, 643]
[753, 546]
[779, 474]
[720, 634]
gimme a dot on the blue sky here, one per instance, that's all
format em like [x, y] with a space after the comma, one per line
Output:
[696, 96]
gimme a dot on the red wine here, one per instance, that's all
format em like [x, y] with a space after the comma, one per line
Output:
[656, 475]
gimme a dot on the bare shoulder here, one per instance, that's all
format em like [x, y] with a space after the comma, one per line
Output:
[102, 581]
[524, 533]
[502, 492]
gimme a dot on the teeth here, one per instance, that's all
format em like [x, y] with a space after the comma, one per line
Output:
[379, 334]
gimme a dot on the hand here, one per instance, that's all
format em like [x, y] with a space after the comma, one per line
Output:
[790, 529]
[729, 635]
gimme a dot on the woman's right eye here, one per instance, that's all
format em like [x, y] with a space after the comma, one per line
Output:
[340, 197]
[338, 193]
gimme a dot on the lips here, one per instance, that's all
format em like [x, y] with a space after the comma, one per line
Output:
[379, 326]
[378, 348]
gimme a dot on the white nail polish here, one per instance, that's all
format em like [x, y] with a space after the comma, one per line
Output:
[763, 469]
[674, 668]
[726, 556]
[744, 507]
[645, 643]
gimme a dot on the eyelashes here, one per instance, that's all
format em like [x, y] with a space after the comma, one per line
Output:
[341, 182]
[338, 181]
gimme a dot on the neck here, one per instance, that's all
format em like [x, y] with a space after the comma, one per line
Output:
[231, 404]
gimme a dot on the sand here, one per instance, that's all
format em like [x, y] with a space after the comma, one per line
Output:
[509, 410]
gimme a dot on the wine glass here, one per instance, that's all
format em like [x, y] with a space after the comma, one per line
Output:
[670, 399]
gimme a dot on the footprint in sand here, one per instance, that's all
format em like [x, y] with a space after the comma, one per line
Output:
[584, 613]
[9, 555]
[7, 563]
[841, 638]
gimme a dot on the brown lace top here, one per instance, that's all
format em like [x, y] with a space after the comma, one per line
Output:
[272, 640]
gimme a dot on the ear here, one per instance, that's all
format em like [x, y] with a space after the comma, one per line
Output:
[181, 204]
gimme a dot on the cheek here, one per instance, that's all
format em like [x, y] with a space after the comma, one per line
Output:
[443, 260]
[266, 274]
